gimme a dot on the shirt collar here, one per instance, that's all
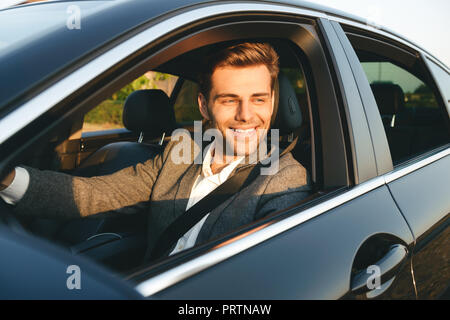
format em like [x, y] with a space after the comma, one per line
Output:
[207, 160]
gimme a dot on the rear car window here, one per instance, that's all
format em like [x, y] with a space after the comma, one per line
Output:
[409, 104]
[409, 109]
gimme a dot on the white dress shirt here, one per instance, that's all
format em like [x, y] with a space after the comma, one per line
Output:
[205, 183]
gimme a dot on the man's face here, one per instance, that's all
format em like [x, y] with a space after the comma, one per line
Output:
[240, 106]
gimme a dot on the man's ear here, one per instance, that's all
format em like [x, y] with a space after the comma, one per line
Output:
[203, 106]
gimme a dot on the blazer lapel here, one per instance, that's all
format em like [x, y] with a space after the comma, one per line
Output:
[184, 189]
[188, 179]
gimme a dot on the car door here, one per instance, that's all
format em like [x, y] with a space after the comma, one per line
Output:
[418, 134]
[351, 242]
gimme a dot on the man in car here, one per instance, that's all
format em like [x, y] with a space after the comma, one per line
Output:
[237, 99]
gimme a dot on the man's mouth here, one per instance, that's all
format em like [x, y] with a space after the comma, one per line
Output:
[243, 132]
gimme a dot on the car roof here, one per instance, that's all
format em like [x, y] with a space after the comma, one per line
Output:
[35, 61]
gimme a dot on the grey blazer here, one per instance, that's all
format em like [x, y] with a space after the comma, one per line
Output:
[163, 188]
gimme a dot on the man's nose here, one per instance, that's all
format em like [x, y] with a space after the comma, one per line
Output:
[244, 112]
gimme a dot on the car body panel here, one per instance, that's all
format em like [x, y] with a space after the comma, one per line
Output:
[430, 182]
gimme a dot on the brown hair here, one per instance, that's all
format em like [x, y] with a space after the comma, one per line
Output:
[240, 55]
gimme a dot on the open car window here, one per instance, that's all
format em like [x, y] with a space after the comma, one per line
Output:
[94, 160]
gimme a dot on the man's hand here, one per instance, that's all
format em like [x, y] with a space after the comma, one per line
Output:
[6, 181]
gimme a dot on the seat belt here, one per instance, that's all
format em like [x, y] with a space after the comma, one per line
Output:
[241, 179]
[193, 215]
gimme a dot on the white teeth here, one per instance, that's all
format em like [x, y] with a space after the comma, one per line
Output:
[243, 131]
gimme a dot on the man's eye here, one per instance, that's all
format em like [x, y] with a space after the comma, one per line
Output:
[229, 101]
[259, 100]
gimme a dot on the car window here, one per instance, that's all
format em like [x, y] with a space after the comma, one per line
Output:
[412, 117]
[108, 114]
[416, 94]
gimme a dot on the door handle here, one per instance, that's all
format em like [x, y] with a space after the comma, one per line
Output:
[388, 266]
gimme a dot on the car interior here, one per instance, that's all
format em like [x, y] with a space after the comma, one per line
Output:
[119, 242]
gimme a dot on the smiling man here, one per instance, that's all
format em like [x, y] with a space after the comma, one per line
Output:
[237, 96]
[239, 107]
[237, 100]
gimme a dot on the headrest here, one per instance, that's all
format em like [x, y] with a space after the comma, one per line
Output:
[148, 111]
[389, 97]
[288, 117]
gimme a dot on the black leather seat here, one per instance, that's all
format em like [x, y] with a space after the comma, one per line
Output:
[411, 130]
[147, 113]
[396, 119]
[390, 100]
[288, 117]
[289, 120]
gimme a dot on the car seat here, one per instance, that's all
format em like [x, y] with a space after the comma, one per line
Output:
[147, 113]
